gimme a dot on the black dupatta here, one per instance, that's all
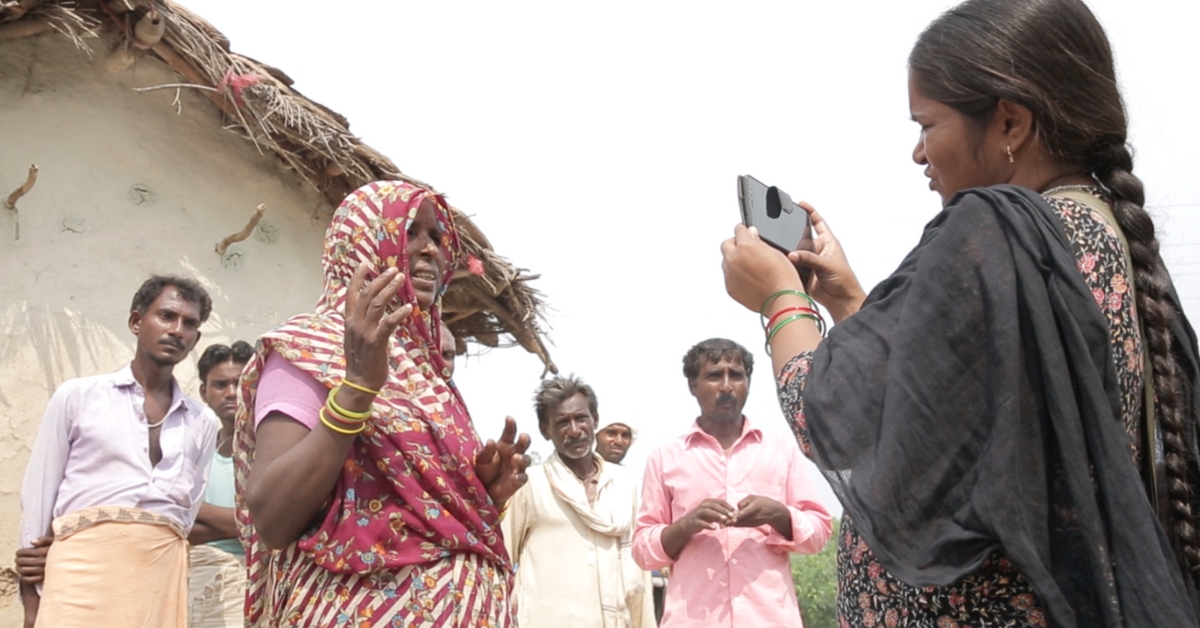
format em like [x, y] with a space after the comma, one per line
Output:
[972, 405]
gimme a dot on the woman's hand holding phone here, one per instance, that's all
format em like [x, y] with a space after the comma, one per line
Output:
[832, 283]
[754, 270]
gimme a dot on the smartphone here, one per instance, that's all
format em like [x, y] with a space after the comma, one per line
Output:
[781, 223]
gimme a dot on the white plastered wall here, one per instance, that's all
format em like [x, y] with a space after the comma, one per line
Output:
[128, 187]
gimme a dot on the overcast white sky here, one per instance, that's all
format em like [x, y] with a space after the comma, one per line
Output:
[598, 144]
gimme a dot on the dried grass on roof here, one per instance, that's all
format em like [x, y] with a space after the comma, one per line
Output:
[498, 308]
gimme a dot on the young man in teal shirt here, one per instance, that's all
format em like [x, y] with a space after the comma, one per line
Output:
[217, 569]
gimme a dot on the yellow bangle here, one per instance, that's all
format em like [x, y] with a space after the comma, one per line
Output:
[341, 412]
[339, 430]
[359, 388]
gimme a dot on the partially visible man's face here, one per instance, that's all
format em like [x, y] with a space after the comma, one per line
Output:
[721, 388]
[219, 389]
[169, 328]
[571, 427]
[612, 442]
[448, 349]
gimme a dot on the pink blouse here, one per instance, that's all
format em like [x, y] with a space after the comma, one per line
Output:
[285, 388]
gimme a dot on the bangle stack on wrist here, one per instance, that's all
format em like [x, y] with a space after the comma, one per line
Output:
[780, 319]
[341, 420]
[359, 387]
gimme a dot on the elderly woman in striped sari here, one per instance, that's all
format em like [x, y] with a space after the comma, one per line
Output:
[365, 496]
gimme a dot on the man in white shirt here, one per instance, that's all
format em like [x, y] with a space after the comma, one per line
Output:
[116, 476]
[217, 561]
[569, 528]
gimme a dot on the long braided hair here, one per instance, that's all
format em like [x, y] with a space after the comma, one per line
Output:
[1053, 57]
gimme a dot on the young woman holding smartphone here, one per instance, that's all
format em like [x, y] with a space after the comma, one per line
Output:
[1009, 419]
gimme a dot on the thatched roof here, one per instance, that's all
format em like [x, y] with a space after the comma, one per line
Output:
[494, 309]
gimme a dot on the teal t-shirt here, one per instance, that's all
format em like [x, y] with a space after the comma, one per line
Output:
[220, 492]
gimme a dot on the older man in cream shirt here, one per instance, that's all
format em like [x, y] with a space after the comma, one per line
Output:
[569, 529]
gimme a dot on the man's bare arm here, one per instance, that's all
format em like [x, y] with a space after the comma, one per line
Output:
[31, 601]
[213, 523]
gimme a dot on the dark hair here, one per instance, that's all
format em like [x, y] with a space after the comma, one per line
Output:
[1053, 57]
[240, 352]
[714, 350]
[190, 290]
[552, 392]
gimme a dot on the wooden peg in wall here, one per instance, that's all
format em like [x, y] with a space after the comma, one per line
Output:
[11, 201]
[244, 233]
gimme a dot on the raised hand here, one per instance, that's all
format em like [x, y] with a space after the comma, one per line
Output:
[369, 327]
[500, 465]
[833, 283]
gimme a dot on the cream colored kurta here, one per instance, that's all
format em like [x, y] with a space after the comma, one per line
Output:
[565, 569]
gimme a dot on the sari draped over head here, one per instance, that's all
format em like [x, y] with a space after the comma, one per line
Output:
[407, 494]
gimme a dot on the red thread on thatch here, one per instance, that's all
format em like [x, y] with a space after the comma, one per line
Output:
[237, 83]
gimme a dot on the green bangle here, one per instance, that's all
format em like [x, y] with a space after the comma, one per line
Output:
[781, 324]
[771, 299]
[795, 317]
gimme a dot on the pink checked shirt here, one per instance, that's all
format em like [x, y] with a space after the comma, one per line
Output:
[730, 576]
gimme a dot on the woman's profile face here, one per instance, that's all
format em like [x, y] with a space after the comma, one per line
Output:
[426, 254]
[949, 146]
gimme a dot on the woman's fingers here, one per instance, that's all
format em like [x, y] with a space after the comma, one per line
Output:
[818, 223]
[743, 234]
[808, 259]
[753, 269]
[361, 295]
[519, 463]
[371, 322]
[727, 247]
[355, 288]
[825, 243]
[486, 453]
[380, 293]
[510, 431]
[522, 445]
[393, 320]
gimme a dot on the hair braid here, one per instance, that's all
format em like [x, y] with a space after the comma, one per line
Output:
[1114, 171]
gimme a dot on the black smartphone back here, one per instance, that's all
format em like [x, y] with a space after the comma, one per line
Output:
[780, 222]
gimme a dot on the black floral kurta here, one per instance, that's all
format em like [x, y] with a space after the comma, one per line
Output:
[996, 595]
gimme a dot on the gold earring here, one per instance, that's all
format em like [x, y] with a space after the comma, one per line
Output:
[1008, 149]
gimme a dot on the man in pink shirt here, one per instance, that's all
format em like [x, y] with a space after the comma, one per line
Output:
[723, 506]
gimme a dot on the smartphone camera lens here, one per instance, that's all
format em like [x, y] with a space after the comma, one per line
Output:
[774, 206]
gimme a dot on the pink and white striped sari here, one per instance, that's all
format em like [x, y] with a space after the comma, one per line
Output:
[410, 536]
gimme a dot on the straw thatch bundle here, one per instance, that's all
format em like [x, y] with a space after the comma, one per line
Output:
[495, 308]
